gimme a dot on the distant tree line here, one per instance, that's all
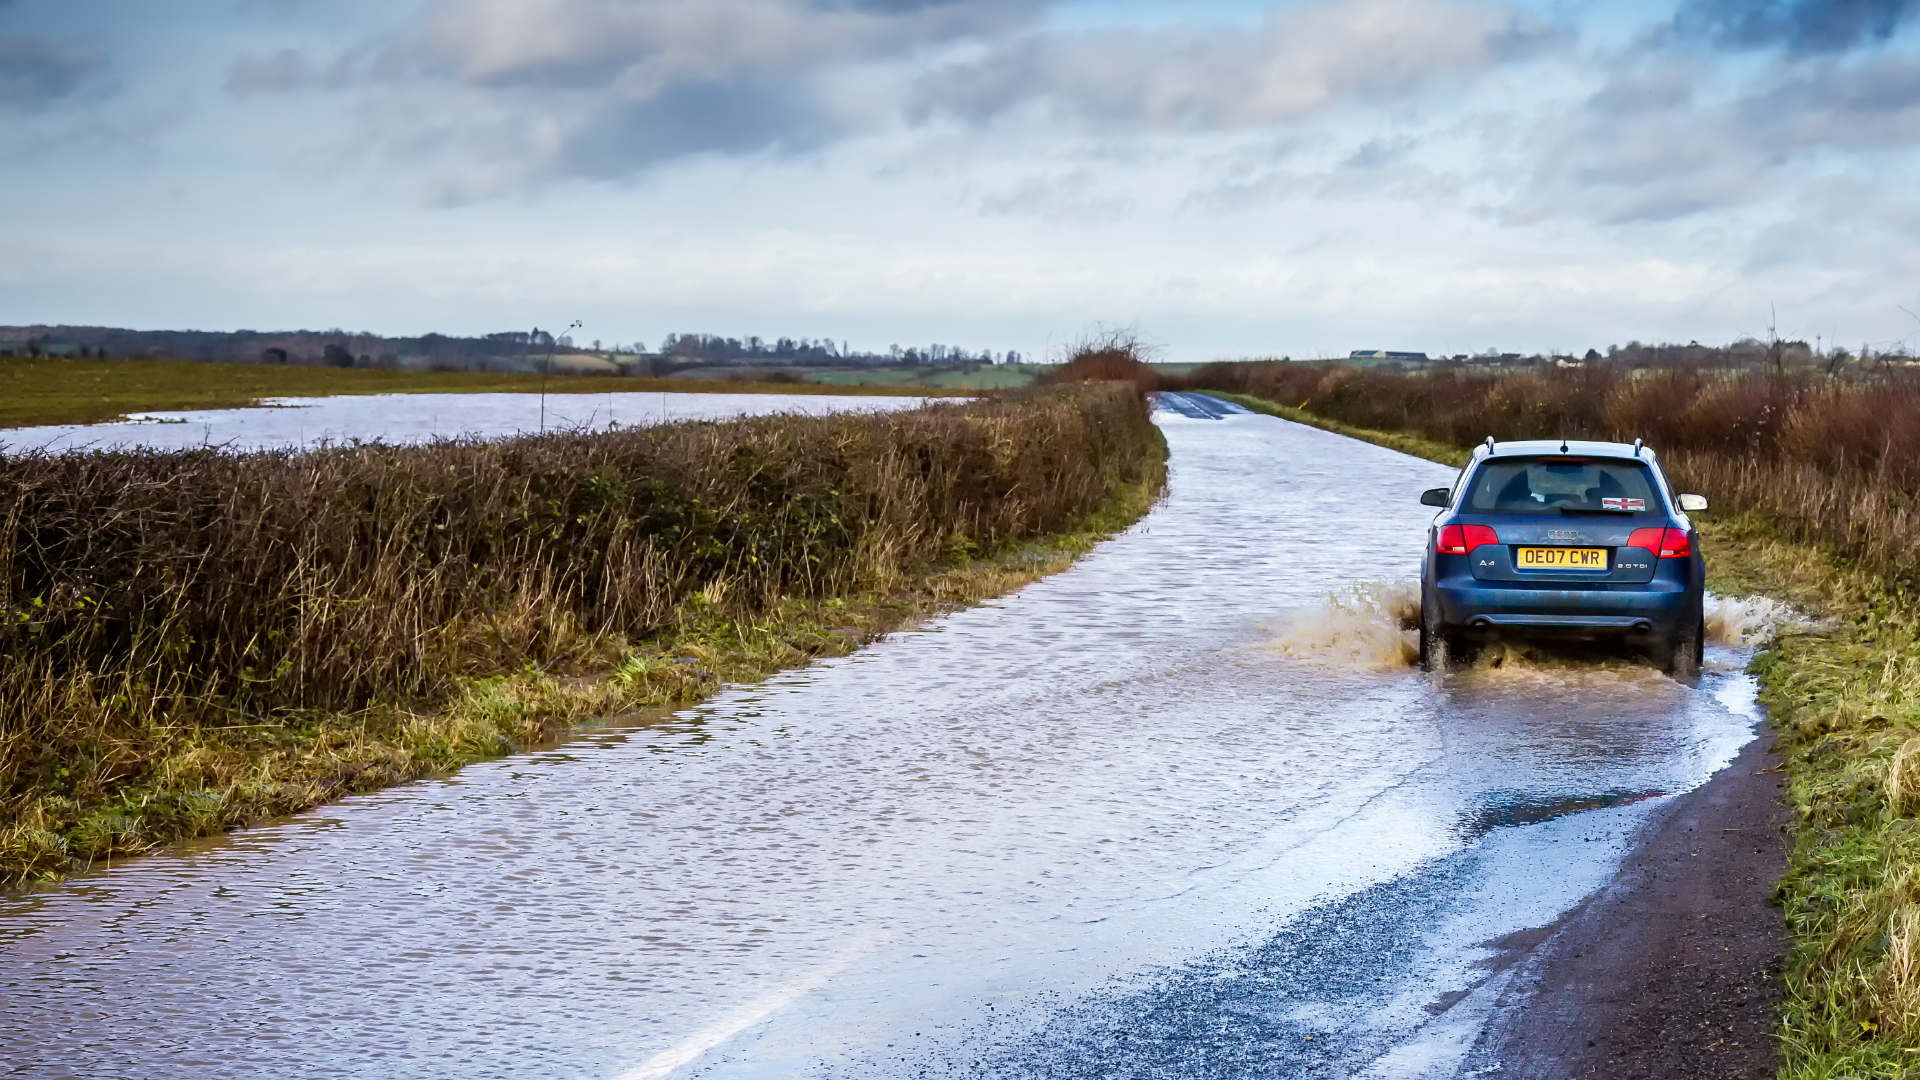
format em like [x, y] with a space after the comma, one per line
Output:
[1744, 354]
[514, 350]
[822, 352]
[336, 347]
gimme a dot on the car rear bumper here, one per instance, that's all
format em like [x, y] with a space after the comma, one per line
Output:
[1657, 608]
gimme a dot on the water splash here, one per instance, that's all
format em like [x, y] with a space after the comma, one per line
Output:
[1372, 625]
[1748, 620]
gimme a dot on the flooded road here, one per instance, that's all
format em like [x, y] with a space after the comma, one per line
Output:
[1169, 813]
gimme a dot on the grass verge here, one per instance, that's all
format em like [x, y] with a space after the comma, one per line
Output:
[1392, 440]
[52, 391]
[1843, 699]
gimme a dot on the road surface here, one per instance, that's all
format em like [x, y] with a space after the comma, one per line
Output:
[1181, 811]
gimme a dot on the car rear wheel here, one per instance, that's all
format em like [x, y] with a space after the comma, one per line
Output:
[1682, 655]
[1440, 646]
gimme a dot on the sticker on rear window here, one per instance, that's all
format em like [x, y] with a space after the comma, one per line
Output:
[1624, 504]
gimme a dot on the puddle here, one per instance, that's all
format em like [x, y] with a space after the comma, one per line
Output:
[1522, 808]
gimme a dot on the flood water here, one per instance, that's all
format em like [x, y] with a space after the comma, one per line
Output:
[299, 423]
[1173, 812]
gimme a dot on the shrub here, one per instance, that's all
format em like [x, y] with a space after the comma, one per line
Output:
[1113, 356]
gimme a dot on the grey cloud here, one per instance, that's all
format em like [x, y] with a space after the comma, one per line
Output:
[896, 6]
[689, 119]
[1866, 106]
[1378, 169]
[1643, 150]
[36, 71]
[1250, 192]
[1797, 26]
[645, 45]
[1654, 164]
[1844, 229]
[1378, 153]
[1666, 84]
[275, 9]
[604, 89]
[1073, 198]
[272, 74]
[1298, 61]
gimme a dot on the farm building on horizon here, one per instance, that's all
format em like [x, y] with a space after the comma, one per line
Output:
[1387, 354]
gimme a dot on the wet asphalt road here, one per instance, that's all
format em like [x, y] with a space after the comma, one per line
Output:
[1172, 813]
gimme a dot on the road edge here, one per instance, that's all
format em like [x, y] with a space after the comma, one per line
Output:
[1673, 970]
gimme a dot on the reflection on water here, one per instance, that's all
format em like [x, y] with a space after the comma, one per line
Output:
[295, 423]
[885, 862]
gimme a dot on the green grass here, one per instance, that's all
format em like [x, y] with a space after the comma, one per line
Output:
[996, 377]
[986, 377]
[54, 391]
[1843, 698]
[1846, 704]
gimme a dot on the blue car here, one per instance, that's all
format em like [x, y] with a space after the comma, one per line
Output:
[1582, 539]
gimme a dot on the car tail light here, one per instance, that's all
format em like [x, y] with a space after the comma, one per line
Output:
[1461, 539]
[1666, 543]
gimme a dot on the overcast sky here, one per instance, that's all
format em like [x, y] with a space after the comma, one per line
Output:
[1227, 178]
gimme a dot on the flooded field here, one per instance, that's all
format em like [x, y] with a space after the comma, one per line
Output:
[1183, 810]
[292, 423]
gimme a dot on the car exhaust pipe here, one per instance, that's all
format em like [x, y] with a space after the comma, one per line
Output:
[1481, 623]
[1643, 627]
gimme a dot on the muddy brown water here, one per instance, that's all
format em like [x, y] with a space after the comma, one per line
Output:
[1172, 812]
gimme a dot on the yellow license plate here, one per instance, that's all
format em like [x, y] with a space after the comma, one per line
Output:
[1561, 558]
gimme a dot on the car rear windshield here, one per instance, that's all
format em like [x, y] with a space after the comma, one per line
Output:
[1563, 485]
